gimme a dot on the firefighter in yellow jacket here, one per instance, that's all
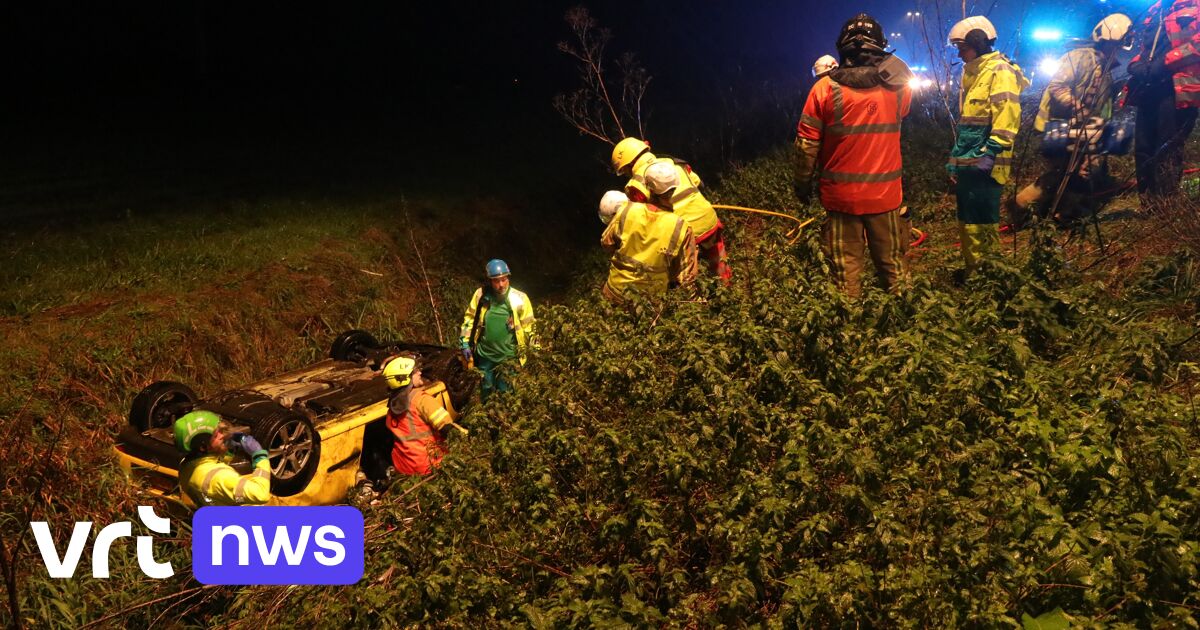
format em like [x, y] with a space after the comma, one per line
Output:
[1080, 93]
[205, 476]
[631, 157]
[981, 160]
[497, 327]
[652, 249]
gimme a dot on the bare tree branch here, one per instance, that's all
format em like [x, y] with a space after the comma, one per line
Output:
[591, 109]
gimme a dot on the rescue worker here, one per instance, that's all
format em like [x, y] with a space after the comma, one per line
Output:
[1081, 93]
[823, 66]
[631, 157]
[206, 476]
[981, 159]
[416, 420]
[497, 327]
[849, 138]
[652, 249]
[1164, 84]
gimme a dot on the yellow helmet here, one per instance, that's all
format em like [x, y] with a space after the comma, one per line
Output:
[627, 152]
[397, 371]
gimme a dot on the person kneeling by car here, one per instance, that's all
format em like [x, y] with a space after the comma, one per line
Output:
[416, 419]
[206, 476]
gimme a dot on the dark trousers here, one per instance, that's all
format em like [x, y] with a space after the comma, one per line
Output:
[1159, 136]
[492, 382]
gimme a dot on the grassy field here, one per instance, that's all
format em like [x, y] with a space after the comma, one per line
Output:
[774, 452]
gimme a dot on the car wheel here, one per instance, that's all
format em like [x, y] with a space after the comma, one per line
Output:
[160, 404]
[350, 345]
[294, 447]
[447, 366]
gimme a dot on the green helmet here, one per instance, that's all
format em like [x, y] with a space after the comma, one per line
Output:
[194, 424]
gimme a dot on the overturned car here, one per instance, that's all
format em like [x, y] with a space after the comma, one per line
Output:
[321, 424]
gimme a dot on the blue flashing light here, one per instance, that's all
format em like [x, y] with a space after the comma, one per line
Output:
[1047, 34]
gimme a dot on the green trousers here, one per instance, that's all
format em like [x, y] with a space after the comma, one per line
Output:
[978, 197]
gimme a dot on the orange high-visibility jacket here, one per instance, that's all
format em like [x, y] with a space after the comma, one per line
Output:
[418, 447]
[859, 134]
[1177, 26]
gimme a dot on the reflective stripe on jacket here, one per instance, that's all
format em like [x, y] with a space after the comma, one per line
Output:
[208, 480]
[523, 319]
[653, 249]
[1082, 88]
[990, 102]
[688, 203]
[858, 134]
[418, 445]
[1180, 38]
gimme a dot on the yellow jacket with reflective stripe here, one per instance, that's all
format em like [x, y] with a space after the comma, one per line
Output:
[208, 480]
[990, 101]
[653, 249]
[688, 203]
[1081, 88]
[523, 320]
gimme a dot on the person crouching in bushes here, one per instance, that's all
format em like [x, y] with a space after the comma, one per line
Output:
[206, 476]
[652, 249]
[416, 420]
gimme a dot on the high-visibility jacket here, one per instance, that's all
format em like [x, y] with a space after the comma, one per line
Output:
[1179, 37]
[653, 248]
[854, 134]
[521, 326]
[990, 102]
[688, 203]
[418, 446]
[1081, 89]
[208, 480]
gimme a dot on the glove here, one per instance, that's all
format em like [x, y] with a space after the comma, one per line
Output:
[1144, 71]
[466, 352]
[1156, 68]
[1139, 70]
[252, 448]
[986, 163]
[803, 190]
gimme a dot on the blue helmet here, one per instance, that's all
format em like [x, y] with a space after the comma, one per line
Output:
[497, 268]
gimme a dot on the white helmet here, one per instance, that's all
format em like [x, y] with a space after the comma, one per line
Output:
[1115, 28]
[662, 176]
[958, 34]
[824, 65]
[610, 204]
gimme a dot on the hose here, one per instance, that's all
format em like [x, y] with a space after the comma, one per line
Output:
[796, 230]
[918, 237]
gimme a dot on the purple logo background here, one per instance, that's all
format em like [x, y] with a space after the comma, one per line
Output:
[332, 539]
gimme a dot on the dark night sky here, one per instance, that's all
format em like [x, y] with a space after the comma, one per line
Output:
[406, 91]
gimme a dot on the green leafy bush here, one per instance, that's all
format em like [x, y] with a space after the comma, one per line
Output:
[773, 453]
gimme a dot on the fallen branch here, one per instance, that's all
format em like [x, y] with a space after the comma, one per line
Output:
[152, 602]
[437, 319]
[558, 572]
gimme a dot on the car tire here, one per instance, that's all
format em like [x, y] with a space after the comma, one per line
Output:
[160, 404]
[447, 366]
[350, 345]
[294, 447]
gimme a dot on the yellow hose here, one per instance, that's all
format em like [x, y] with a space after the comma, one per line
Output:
[796, 230]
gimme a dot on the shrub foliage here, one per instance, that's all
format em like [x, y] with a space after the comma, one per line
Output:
[1020, 450]
[773, 453]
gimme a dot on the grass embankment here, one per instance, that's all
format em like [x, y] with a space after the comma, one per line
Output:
[214, 298]
[764, 453]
